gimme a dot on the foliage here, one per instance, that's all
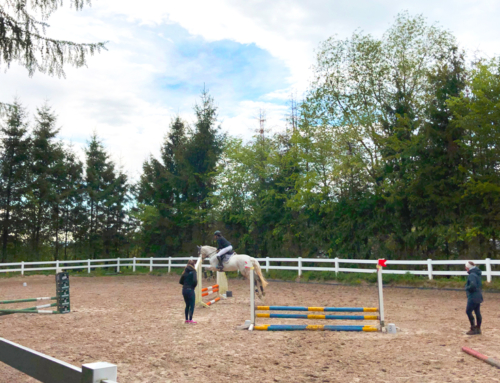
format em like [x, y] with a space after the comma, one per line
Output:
[23, 40]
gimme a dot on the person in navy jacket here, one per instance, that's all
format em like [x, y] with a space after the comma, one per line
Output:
[473, 288]
[189, 281]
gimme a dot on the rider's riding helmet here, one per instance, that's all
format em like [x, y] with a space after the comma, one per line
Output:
[217, 233]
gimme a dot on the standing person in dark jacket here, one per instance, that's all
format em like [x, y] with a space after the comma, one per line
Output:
[189, 280]
[223, 247]
[474, 297]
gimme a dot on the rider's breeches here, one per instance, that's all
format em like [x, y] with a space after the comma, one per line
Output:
[224, 251]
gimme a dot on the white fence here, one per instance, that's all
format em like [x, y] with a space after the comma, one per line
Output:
[491, 267]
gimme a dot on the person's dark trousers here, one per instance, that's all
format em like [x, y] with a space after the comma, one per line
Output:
[476, 308]
[189, 298]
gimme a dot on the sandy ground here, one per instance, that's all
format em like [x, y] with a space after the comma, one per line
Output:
[136, 322]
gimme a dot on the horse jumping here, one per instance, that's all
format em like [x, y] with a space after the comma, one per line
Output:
[237, 262]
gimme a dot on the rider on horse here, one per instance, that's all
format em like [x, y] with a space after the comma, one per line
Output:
[223, 247]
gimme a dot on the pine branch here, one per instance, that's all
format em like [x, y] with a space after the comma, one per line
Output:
[23, 40]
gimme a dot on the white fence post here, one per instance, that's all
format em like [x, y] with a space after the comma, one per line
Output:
[336, 265]
[88, 260]
[22, 268]
[267, 264]
[57, 265]
[300, 266]
[429, 268]
[99, 372]
[133, 265]
[150, 264]
[169, 264]
[488, 270]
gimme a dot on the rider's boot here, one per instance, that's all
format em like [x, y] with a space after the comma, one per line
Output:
[220, 267]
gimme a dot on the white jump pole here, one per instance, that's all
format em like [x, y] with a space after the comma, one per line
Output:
[380, 296]
[199, 271]
[252, 299]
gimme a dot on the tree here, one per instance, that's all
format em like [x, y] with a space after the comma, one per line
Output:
[99, 188]
[163, 195]
[15, 150]
[46, 158]
[22, 38]
[73, 214]
[476, 114]
[203, 152]
[373, 95]
[435, 187]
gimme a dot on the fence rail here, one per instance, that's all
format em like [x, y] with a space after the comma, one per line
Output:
[423, 267]
[51, 370]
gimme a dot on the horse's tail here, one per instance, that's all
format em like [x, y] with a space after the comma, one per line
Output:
[256, 266]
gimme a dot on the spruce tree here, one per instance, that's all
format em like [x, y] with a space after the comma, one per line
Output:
[23, 40]
[15, 145]
[46, 157]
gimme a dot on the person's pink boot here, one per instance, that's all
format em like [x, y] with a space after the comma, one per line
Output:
[192, 322]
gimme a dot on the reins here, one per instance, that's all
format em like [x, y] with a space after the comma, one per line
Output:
[208, 255]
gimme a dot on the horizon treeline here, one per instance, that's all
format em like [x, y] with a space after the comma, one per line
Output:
[53, 205]
[393, 153]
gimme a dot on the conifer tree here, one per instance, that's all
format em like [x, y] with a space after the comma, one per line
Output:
[23, 40]
[46, 157]
[15, 146]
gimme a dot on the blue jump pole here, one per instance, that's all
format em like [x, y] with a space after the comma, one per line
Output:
[285, 327]
[309, 316]
[331, 309]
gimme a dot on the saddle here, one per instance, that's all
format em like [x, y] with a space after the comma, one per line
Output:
[229, 254]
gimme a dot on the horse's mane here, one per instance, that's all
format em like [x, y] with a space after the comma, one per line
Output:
[206, 250]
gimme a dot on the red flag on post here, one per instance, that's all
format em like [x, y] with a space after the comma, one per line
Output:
[382, 262]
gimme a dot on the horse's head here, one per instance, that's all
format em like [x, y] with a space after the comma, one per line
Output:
[205, 251]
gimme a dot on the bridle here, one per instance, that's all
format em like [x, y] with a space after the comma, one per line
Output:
[208, 255]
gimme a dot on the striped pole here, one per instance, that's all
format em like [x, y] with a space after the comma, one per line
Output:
[209, 292]
[330, 309]
[482, 357]
[312, 316]
[210, 288]
[282, 327]
[27, 300]
[213, 301]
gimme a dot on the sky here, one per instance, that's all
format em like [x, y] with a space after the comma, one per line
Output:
[250, 55]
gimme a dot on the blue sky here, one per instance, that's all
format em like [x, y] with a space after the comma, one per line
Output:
[251, 55]
[232, 71]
